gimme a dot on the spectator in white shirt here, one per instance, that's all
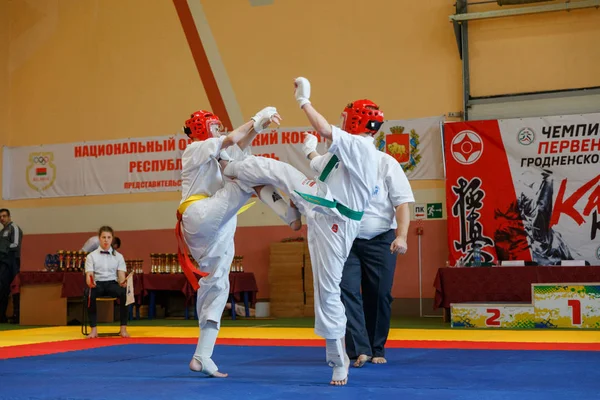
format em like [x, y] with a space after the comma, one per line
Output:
[105, 275]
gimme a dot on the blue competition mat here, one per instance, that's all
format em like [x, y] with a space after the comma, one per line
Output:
[139, 371]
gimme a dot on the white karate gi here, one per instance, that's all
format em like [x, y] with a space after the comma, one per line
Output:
[330, 233]
[209, 224]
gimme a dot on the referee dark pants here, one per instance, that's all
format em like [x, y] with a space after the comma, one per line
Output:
[107, 289]
[370, 266]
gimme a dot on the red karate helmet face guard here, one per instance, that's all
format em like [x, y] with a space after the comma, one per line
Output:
[203, 125]
[361, 116]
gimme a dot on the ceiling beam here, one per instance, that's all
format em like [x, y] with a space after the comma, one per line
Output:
[567, 6]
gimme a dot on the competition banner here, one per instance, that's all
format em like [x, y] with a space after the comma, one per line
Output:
[416, 144]
[153, 164]
[93, 168]
[524, 189]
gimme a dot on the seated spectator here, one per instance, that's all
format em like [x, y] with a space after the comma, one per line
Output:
[105, 275]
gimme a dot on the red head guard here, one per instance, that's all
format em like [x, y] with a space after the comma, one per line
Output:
[203, 125]
[362, 116]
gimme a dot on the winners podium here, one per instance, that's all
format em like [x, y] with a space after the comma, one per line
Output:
[554, 305]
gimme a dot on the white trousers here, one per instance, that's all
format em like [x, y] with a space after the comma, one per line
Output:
[330, 235]
[209, 228]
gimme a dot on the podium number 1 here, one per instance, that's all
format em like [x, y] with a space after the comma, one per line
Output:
[493, 319]
[575, 311]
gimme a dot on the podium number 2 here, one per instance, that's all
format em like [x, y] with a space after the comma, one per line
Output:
[493, 319]
[575, 311]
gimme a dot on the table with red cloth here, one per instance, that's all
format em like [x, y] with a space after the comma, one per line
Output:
[242, 285]
[73, 283]
[505, 284]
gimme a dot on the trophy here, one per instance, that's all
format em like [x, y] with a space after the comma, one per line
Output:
[80, 261]
[162, 263]
[68, 259]
[175, 267]
[61, 257]
[152, 263]
[51, 262]
[78, 258]
[168, 262]
[241, 264]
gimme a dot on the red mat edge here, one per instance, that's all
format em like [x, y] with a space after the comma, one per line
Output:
[38, 349]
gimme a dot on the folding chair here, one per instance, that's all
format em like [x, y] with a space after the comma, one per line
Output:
[85, 317]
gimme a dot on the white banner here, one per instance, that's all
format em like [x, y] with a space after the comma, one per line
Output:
[93, 168]
[416, 144]
[153, 164]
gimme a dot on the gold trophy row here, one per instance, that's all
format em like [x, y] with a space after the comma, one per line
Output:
[71, 261]
[74, 261]
[236, 264]
[168, 263]
[135, 266]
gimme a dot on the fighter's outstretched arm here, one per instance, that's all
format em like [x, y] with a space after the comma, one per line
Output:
[237, 134]
[260, 122]
[302, 94]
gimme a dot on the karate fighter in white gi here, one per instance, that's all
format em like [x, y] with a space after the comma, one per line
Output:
[333, 206]
[207, 218]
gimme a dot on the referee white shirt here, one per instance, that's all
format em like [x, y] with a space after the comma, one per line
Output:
[91, 244]
[392, 190]
[105, 264]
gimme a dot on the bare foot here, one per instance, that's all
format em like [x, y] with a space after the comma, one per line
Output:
[124, 333]
[361, 360]
[378, 360]
[93, 333]
[196, 366]
[340, 374]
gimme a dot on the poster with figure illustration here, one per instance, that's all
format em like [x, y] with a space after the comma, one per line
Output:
[524, 189]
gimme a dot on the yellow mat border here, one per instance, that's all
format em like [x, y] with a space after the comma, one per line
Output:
[53, 334]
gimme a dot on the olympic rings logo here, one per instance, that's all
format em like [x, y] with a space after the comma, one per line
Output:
[41, 160]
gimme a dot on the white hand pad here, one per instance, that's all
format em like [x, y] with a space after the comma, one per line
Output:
[302, 91]
[263, 117]
[310, 144]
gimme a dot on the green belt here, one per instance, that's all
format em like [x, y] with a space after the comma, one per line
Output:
[345, 211]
